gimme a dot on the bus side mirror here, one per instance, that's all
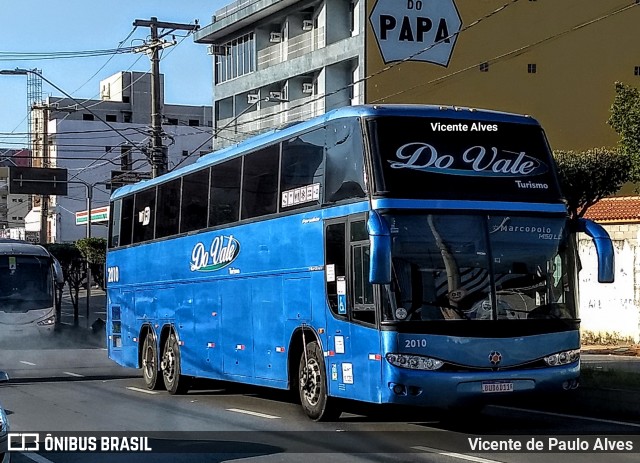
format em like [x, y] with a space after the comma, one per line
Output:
[604, 249]
[380, 240]
[57, 273]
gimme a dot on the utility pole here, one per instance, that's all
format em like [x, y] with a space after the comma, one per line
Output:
[159, 161]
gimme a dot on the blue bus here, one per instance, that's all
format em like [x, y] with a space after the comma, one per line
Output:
[392, 254]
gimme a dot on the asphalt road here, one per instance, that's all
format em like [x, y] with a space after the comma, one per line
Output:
[71, 391]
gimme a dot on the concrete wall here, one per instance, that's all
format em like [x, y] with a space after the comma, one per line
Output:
[611, 312]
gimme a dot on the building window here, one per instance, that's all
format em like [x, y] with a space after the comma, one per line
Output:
[235, 58]
[126, 163]
[125, 99]
[172, 121]
[484, 67]
[87, 117]
[111, 118]
[194, 122]
[636, 69]
[532, 68]
[185, 153]
[126, 118]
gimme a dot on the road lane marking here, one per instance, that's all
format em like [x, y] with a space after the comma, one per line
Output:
[28, 363]
[37, 458]
[249, 412]
[461, 456]
[137, 389]
[563, 415]
[73, 374]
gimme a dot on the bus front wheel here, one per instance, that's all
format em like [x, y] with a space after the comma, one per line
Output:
[312, 385]
[150, 363]
[174, 381]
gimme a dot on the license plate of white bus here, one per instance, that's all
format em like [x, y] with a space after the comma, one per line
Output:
[497, 386]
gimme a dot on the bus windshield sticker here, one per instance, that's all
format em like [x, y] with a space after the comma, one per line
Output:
[12, 263]
[341, 289]
[331, 273]
[222, 252]
[339, 345]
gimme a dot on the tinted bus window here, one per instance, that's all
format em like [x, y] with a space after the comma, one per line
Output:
[126, 221]
[345, 162]
[224, 202]
[302, 170]
[114, 236]
[260, 183]
[143, 216]
[168, 215]
[195, 196]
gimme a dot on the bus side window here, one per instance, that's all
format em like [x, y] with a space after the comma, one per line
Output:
[126, 221]
[345, 162]
[335, 262]
[114, 235]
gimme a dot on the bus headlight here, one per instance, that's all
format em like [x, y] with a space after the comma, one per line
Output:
[562, 358]
[414, 362]
[48, 321]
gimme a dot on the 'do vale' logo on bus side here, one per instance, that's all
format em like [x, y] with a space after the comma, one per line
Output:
[221, 252]
[475, 161]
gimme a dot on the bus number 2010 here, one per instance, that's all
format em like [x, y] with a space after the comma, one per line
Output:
[415, 343]
[113, 274]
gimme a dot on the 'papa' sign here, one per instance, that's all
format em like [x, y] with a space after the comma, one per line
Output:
[418, 30]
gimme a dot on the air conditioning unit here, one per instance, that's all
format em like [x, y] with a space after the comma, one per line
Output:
[275, 37]
[218, 50]
[307, 24]
[307, 87]
[252, 98]
[275, 95]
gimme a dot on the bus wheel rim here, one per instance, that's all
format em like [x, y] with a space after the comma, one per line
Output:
[312, 381]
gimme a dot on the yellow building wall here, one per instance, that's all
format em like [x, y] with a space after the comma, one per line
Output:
[577, 64]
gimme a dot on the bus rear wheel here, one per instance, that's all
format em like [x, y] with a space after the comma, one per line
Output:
[312, 385]
[174, 381]
[150, 363]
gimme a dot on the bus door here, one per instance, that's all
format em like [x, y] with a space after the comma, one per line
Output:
[353, 350]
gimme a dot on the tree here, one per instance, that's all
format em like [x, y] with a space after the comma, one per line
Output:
[588, 176]
[625, 120]
[73, 268]
[95, 251]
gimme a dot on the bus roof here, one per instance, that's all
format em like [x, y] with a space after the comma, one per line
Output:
[17, 247]
[408, 110]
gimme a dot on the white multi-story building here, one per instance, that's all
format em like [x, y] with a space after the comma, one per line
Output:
[277, 62]
[100, 140]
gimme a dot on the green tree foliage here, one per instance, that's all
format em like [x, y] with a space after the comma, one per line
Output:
[588, 176]
[625, 120]
[95, 251]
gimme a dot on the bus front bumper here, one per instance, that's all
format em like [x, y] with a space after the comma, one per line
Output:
[452, 389]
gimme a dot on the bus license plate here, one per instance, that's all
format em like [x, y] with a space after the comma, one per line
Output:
[501, 386]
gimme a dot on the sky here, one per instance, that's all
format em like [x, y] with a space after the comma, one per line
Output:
[30, 26]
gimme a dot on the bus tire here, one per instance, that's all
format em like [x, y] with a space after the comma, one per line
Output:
[150, 363]
[312, 386]
[174, 381]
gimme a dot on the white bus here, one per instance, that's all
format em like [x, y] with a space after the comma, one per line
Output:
[28, 278]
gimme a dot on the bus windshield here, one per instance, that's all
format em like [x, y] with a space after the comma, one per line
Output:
[428, 158]
[25, 283]
[480, 267]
